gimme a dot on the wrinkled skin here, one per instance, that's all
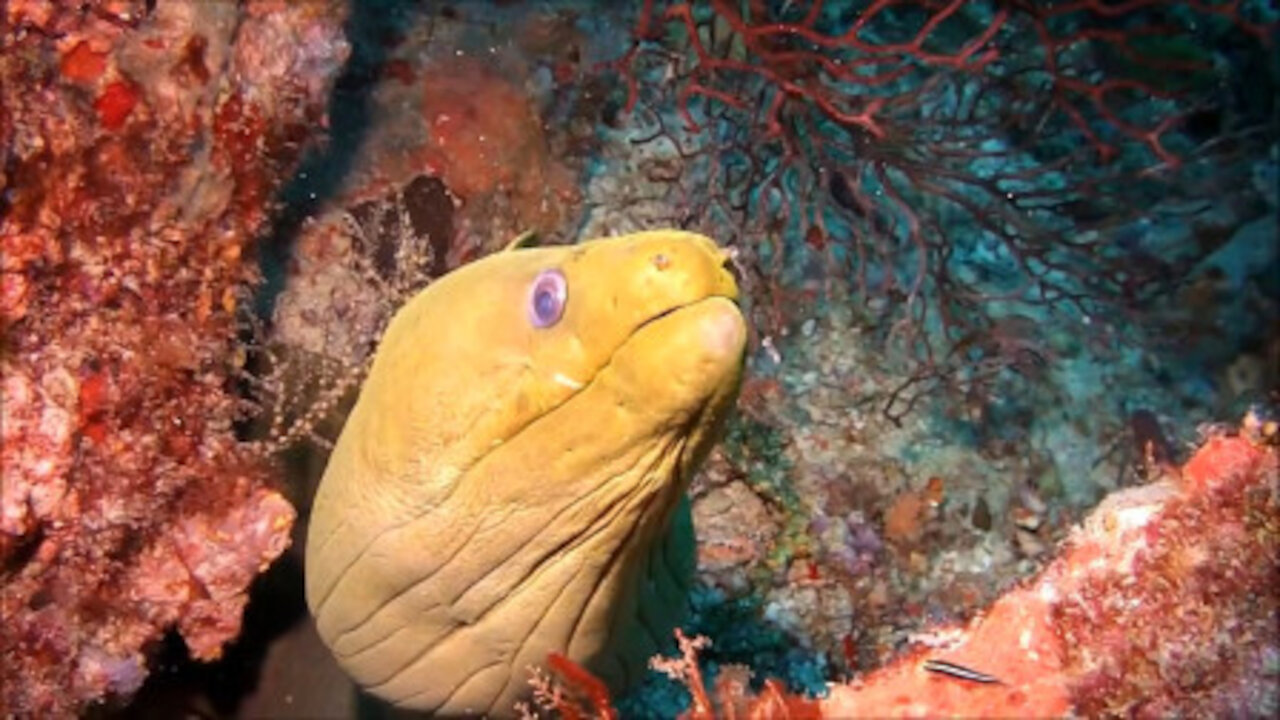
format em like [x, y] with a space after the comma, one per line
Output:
[503, 490]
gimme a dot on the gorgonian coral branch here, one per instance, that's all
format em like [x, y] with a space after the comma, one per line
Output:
[934, 158]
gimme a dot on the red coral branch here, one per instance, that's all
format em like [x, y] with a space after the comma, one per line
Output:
[790, 73]
[1067, 85]
[684, 669]
[941, 155]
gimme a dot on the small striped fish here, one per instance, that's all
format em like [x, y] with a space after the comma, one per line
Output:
[959, 671]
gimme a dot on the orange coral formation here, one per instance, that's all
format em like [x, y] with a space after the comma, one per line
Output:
[1015, 642]
[486, 137]
[904, 520]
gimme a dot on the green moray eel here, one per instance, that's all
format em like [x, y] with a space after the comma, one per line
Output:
[511, 479]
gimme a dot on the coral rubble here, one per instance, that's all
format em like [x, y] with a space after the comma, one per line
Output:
[142, 143]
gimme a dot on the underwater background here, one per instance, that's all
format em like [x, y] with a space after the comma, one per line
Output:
[1010, 267]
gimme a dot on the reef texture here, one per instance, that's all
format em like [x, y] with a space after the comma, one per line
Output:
[142, 142]
[1162, 603]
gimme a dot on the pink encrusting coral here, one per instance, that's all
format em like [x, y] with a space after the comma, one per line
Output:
[143, 141]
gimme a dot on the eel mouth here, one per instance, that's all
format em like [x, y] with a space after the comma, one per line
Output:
[577, 385]
[674, 309]
[665, 313]
[669, 312]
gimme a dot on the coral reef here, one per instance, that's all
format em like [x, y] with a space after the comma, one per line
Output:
[143, 142]
[1162, 603]
[947, 167]
[856, 532]
[968, 328]
[486, 137]
[965, 323]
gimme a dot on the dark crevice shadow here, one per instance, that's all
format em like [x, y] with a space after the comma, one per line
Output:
[181, 687]
[371, 29]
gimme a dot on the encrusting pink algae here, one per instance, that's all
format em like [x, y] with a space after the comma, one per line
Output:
[143, 142]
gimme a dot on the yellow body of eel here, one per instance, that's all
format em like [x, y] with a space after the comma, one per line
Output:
[511, 480]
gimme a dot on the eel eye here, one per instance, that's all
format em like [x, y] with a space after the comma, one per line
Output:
[546, 301]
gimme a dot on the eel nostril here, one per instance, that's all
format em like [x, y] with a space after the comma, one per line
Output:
[730, 264]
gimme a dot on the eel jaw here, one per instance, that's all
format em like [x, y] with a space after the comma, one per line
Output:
[727, 337]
